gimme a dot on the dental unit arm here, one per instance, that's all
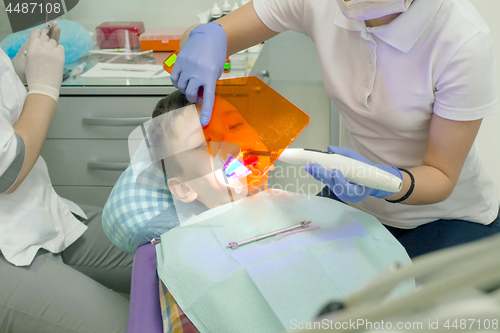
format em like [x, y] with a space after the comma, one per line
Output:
[353, 170]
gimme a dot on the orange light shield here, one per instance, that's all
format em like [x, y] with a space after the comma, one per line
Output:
[260, 121]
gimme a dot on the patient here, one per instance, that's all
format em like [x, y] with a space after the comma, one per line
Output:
[188, 154]
[142, 208]
[266, 285]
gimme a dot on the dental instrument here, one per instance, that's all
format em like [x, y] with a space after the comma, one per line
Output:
[126, 69]
[45, 31]
[169, 63]
[47, 26]
[235, 245]
[120, 53]
[118, 50]
[295, 231]
[78, 69]
[158, 72]
[353, 170]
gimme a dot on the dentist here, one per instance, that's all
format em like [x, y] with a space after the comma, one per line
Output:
[413, 80]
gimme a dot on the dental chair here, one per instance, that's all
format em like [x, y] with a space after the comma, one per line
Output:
[145, 310]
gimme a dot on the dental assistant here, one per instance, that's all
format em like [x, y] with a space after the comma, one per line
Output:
[47, 242]
[413, 81]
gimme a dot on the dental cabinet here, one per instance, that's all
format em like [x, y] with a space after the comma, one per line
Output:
[86, 149]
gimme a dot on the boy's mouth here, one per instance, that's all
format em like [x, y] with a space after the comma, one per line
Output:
[235, 169]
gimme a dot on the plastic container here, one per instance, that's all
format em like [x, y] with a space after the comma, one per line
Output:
[253, 54]
[239, 60]
[162, 39]
[235, 6]
[215, 13]
[226, 8]
[119, 34]
[227, 66]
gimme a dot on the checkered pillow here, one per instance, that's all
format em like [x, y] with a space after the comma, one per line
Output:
[138, 209]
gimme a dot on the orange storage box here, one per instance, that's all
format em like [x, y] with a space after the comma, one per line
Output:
[161, 39]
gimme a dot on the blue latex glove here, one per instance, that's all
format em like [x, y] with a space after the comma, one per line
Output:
[200, 64]
[345, 191]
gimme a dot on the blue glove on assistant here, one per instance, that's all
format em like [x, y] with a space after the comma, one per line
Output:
[200, 64]
[345, 191]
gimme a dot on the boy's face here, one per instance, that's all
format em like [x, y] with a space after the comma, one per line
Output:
[228, 125]
[196, 148]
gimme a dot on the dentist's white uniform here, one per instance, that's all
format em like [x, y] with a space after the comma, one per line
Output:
[388, 81]
[50, 294]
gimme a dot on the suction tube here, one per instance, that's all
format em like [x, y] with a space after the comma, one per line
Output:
[353, 170]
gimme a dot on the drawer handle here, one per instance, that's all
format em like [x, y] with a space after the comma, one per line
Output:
[93, 121]
[96, 165]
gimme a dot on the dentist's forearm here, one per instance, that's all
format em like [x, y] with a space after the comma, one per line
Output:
[186, 33]
[32, 127]
[431, 186]
[243, 29]
[449, 144]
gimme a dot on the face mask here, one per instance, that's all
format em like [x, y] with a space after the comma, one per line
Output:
[371, 9]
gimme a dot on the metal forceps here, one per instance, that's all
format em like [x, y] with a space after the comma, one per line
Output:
[235, 245]
[47, 28]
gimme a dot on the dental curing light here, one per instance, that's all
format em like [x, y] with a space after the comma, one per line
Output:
[353, 170]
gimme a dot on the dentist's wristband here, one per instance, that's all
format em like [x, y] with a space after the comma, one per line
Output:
[410, 190]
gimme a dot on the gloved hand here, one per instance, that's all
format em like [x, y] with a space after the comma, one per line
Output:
[19, 60]
[44, 65]
[345, 191]
[200, 64]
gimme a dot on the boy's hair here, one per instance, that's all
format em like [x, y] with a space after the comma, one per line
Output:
[157, 132]
[174, 101]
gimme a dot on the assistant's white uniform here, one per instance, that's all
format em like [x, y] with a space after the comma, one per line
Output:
[388, 81]
[34, 216]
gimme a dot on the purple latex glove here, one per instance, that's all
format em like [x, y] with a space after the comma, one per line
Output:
[200, 64]
[345, 191]
[145, 309]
